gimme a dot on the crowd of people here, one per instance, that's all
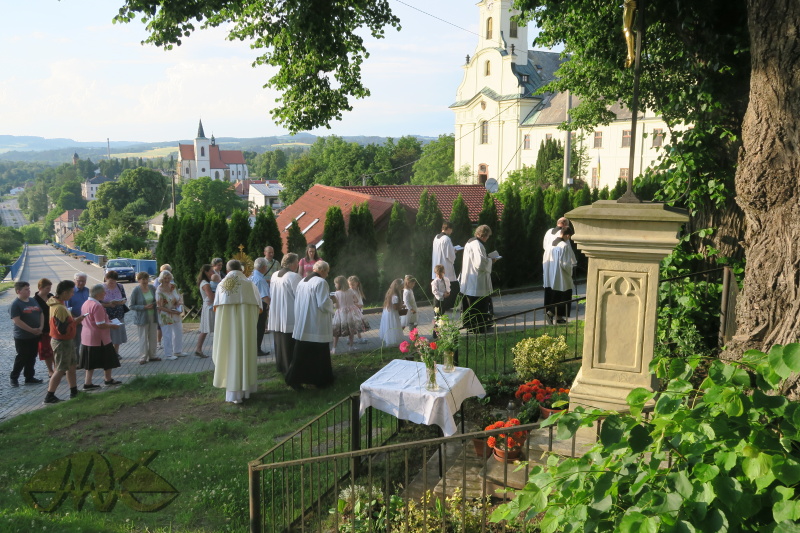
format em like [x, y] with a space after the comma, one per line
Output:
[83, 328]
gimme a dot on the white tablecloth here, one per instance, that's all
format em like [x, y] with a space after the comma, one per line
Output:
[399, 389]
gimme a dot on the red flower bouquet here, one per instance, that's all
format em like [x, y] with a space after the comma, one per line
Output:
[506, 441]
[546, 396]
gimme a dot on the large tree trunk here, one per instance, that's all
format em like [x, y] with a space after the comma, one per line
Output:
[768, 180]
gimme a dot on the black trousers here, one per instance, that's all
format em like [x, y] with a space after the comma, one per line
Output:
[476, 314]
[262, 324]
[455, 290]
[26, 358]
[562, 298]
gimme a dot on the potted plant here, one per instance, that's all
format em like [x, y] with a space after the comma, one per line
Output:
[447, 336]
[507, 446]
[549, 399]
[427, 354]
[540, 357]
[529, 412]
[499, 387]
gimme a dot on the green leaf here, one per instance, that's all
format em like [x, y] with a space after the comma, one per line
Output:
[567, 426]
[714, 522]
[603, 505]
[786, 511]
[636, 522]
[678, 369]
[681, 483]
[740, 377]
[640, 396]
[612, 430]
[787, 527]
[777, 363]
[679, 386]
[703, 472]
[667, 405]
[757, 467]
[639, 438]
[786, 469]
[728, 489]
[791, 356]
[766, 401]
[734, 406]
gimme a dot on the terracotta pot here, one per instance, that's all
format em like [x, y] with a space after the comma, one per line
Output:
[545, 412]
[481, 449]
[507, 455]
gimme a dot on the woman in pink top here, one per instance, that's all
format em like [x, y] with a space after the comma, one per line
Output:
[307, 263]
[96, 348]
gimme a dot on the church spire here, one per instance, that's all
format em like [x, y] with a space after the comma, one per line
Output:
[200, 133]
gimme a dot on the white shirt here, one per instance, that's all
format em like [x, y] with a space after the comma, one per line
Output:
[476, 270]
[440, 287]
[313, 311]
[283, 290]
[557, 267]
[443, 254]
[549, 236]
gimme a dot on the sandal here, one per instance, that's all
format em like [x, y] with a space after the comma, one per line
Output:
[143, 362]
[201, 355]
[155, 359]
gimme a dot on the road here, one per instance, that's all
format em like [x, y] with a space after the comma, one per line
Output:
[11, 214]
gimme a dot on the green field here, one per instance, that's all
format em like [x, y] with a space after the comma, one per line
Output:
[153, 153]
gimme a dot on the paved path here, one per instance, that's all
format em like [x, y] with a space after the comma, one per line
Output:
[11, 215]
[46, 261]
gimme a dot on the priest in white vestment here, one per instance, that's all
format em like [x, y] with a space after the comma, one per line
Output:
[237, 305]
[476, 281]
[557, 265]
[283, 288]
[313, 331]
[445, 254]
[553, 234]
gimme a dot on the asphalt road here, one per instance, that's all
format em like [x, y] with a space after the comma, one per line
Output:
[11, 214]
[47, 262]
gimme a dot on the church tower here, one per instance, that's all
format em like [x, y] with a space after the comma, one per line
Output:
[201, 152]
[498, 31]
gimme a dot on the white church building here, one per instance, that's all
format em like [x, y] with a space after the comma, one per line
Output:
[500, 123]
[205, 158]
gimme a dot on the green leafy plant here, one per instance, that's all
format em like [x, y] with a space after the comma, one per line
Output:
[499, 387]
[540, 357]
[722, 457]
[529, 412]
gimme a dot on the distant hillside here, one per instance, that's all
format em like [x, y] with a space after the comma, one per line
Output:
[39, 149]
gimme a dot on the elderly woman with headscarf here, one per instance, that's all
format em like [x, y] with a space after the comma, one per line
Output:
[313, 331]
[97, 351]
[283, 289]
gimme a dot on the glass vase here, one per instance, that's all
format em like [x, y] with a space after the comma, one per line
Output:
[449, 366]
[430, 382]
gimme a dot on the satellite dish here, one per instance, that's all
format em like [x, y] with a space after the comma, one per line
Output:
[491, 185]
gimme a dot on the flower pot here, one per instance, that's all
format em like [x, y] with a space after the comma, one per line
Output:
[430, 381]
[507, 456]
[448, 361]
[545, 412]
[481, 449]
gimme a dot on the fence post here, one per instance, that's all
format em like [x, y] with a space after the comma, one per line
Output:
[255, 497]
[355, 423]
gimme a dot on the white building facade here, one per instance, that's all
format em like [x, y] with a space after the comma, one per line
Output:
[90, 186]
[500, 123]
[205, 158]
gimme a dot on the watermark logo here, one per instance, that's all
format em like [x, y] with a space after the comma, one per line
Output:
[104, 479]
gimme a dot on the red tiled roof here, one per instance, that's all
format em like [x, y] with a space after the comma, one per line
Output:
[186, 151]
[69, 216]
[408, 196]
[315, 202]
[242, 187]
[231, 157]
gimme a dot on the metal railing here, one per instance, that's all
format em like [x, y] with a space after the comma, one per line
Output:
[139, 265]
[385, 488]
[707, 299]
[16, 268]
[338, 430]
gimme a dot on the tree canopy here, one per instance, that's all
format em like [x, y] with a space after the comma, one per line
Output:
[317, 46]
[203, 194]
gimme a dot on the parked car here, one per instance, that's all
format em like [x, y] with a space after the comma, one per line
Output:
[123, 268]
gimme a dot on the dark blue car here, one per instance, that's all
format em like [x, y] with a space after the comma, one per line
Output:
[123, 268]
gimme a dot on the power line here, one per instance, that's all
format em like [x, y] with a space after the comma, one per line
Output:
[446, 21]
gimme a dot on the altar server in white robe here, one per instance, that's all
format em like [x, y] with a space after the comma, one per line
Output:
[553, 234]
[559, 260]
[313, 331]
[444, 253]
[283, 287]
[236, 305]
[476, 281]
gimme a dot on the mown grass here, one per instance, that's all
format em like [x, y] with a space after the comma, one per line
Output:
[204, 445]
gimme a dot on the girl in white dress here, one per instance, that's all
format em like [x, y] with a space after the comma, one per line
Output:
[207, 315]
[343, 323]
[391, 331]
[410, 319]
[358, 314]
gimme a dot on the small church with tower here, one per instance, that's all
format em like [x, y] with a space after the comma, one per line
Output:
[205, 158]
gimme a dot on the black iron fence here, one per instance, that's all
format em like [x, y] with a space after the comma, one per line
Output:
[445, 484]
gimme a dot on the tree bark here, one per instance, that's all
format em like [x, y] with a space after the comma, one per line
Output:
[768, 181]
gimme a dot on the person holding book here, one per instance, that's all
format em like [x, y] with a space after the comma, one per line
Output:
[114, 302]
[476, 281]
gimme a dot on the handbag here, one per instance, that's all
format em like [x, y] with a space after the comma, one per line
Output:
[403, 311]
[125, 308]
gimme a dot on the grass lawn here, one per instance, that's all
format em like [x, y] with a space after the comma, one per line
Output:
[204, 446]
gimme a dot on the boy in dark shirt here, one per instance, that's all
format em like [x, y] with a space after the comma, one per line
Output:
[26, 315]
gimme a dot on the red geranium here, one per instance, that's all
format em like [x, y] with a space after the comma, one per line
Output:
[504, 441]
[546, 396]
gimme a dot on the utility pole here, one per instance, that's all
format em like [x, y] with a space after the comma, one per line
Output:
[567, 145]
[173, 194]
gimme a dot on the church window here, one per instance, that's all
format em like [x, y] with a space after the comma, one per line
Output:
[216, 174]
[488, 70]
[548, 137]
[489, 28]
[623, 173]
[187, 171]
[484, 132]
[598, 139]
[202, 151]
[626, 138]
[483, 174]
[526, 142]
[512, 32]
[658, 137]
[524, 78]
[202, 170]
[595, 178]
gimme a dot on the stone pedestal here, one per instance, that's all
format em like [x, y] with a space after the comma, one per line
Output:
[624, 244]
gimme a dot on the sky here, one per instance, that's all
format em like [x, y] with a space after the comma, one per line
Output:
[68, 71]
